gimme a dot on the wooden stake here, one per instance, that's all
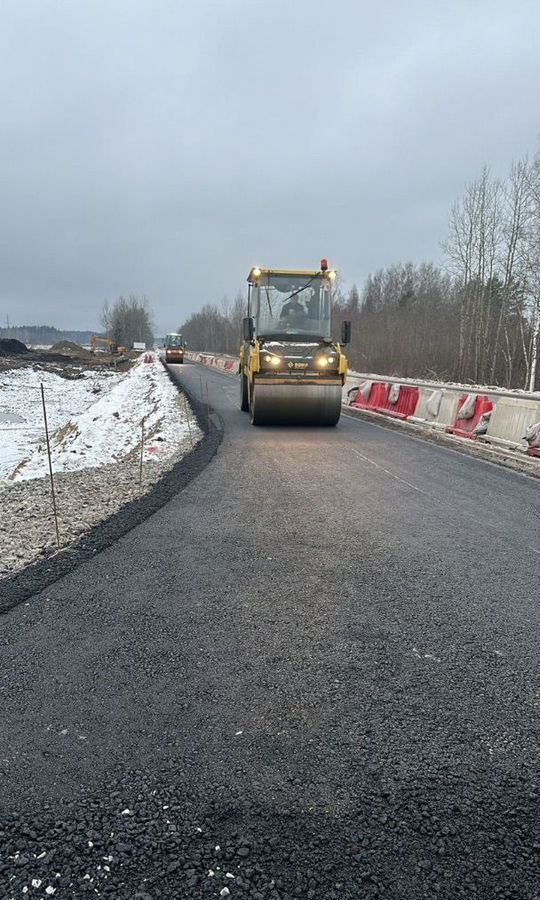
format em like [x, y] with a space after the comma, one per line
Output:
[142, 451]
[188, 421]
[55, 513]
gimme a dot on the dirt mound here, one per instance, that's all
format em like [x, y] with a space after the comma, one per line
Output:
[12, 347]
[69, 348]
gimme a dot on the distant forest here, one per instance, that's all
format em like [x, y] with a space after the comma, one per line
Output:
[128, 319]
[45, 334]
[476, 319]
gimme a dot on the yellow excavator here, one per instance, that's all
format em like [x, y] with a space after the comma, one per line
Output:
[291, 371]
[108, 345]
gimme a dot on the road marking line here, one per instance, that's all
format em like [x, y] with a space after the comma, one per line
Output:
[435, 499]
[391, 474]
[426, 442]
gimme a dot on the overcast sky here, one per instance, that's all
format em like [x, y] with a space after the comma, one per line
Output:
[165, 146]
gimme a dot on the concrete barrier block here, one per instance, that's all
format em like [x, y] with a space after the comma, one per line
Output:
[434, 411]
[509, 421]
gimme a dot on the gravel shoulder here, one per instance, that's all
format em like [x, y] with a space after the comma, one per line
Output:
[83, 500]
[95, 506]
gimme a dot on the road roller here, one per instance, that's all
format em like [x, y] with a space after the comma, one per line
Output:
[291, 371]
[174, 348]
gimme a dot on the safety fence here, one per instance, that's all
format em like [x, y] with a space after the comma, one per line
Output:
[224, 363]
[508, 419]
[501, 418]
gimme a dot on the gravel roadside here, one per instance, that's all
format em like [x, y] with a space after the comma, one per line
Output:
[83, 500]
[95, 507]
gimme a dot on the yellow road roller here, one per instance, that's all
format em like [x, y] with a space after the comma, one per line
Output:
[291, 371]
[174, 348]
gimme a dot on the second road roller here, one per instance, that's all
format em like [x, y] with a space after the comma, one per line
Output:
[291, 371]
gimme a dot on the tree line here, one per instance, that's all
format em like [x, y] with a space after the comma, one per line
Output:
[128, 320]
[474, 319]
[216, 328]
[44, 334]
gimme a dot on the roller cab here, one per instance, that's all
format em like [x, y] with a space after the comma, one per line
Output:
[291, 371]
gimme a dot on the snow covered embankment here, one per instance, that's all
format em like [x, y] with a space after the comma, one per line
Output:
[21, 414]
[110, 429]
[96, 458]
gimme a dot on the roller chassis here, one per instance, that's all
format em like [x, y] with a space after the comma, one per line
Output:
[296, 391]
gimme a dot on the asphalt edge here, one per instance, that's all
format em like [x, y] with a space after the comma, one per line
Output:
[40, 575]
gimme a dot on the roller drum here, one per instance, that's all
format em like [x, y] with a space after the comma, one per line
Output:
[294, 404]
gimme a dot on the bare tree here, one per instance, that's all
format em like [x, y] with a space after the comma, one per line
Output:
[533, 266]
[128, 320]
[478, 321]
[472, 248]
[516, 210]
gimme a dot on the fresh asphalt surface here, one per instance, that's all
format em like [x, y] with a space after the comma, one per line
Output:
[312, 673]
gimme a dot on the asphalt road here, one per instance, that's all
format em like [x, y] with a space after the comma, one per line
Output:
[313, 673]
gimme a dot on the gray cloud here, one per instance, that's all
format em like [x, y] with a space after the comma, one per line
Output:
[164, 147]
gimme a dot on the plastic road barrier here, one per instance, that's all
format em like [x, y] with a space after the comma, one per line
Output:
[435, 407]
[396, 400]
[400, 403]
[472, 407]
[510, 420]
[376, 396]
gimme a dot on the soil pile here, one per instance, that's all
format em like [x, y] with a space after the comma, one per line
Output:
[70, 348]
[12, 347]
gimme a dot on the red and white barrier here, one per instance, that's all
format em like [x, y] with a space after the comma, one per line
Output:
[494, 416]
[227, 364]
[395, 400]
[473, 415]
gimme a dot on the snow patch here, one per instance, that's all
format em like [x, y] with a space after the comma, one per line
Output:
[110, 428]
[21, 415]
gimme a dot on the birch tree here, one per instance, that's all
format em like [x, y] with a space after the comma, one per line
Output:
[533, 266]
[515, 225]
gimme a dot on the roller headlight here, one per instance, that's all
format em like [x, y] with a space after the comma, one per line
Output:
[323, 361]
[273, 360]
